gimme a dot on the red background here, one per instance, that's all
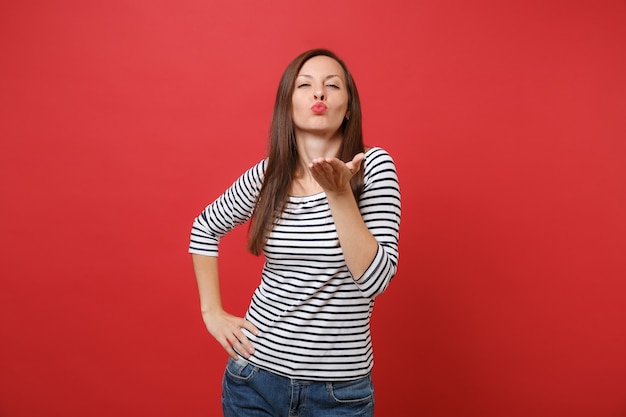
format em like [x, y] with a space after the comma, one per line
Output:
[120, 120]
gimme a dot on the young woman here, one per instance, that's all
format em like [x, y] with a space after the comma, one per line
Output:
[325, 212]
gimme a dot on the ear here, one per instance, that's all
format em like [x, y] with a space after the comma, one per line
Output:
[347, 116]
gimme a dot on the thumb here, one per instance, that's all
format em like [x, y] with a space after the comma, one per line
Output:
[355, 164]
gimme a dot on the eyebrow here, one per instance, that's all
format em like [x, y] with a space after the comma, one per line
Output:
[326, 78]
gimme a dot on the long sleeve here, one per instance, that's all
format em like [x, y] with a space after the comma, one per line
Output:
[380, 207]
[234, 207]
[313, 316]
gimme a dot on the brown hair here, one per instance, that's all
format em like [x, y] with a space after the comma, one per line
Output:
[283, 158]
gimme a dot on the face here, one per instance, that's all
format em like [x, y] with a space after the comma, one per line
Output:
[320, 97]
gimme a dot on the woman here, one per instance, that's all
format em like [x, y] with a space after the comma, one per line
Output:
[325, 213]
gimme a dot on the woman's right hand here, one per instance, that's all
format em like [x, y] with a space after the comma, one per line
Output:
[227, 330]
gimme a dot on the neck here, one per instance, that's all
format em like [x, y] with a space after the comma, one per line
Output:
[312, 146]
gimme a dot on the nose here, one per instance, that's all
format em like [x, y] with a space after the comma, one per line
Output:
[319, 94]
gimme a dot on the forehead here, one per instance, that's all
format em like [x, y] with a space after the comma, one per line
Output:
[321, 65]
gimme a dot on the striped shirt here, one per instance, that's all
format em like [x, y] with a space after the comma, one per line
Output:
[313, 316]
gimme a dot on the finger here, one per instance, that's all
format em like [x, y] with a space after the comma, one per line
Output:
[335, 164]
[321, 171]
[250, 327]
[241, 347]
[328, 168]
[355, 164]
[352, 166]
[243, 342]
[315, 169]
[335, 168]
[321, 164]
[358, 159]
[229, 349]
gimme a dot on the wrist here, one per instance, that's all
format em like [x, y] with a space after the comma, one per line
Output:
[210, 310]
[342, 193]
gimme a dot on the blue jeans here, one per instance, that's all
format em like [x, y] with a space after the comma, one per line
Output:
[248, 391]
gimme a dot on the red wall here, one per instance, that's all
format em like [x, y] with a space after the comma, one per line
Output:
[120, 120]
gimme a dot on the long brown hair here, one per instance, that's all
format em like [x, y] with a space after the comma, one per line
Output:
[282, 151]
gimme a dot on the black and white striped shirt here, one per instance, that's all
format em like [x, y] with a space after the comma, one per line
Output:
[313, 316]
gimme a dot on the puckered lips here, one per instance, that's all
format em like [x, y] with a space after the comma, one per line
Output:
[319, 108]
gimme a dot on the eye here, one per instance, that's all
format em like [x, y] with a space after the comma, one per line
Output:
[332, 86]
[301, 85]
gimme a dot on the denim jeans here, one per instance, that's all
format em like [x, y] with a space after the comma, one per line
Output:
[248, 391]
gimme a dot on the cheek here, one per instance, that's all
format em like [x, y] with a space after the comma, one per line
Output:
[295, 109]
[344, 101]
[297, 104]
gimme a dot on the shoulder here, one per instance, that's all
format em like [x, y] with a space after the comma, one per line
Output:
[377, 158]
[257, 169]
[253, 177]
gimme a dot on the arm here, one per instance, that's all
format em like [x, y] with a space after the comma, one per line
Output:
[234, 207]
[368, 231]
[357, 243]
[224, 327]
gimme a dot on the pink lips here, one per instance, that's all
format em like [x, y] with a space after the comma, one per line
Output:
[319, 108]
